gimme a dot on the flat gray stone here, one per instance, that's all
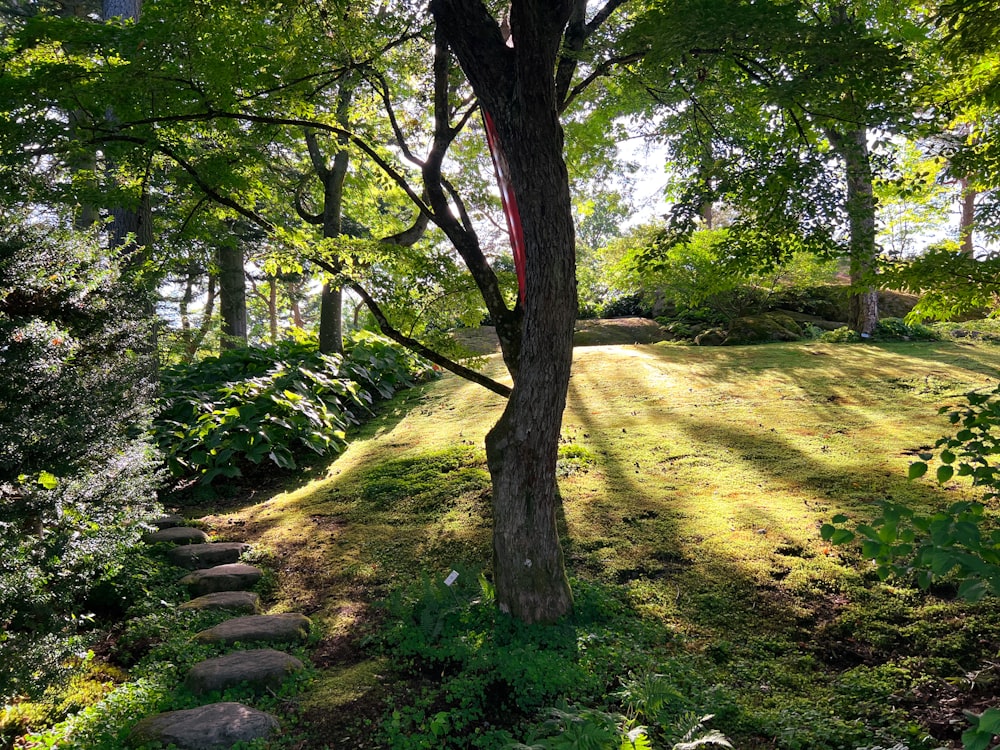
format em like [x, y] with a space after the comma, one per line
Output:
[197, 556]
[177, 535]
[260, 669]
[244, 602]
[212, 727]
[231, 577]
[167, 521]
[285, 628]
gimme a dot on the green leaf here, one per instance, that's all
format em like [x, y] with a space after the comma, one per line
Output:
[973, 590]
[841, 536]
[917, 470]
[944, 473]
[947, 457]
[989, 721]
[839, 518]
[48, 480]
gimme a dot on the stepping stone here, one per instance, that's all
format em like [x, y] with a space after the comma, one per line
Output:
[285, 628]
[261, 669]
[246, 602]
[177, 535]
[232, 577]
[167, 521]
[195, 556]
[212, 727]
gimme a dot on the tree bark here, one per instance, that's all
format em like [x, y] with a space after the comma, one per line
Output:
[852, 146]
[516, 85]
[232, 297]
[967, 221]
[331, 330]
[331, 326]
[272, 309]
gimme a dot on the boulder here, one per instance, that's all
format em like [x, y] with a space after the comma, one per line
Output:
[177, 535]
[167, 520]
[710, 337]
[195, 556]
[758, 329]
[260, 669]
[284, 628]
[245, 602]
[231, 577]
[212, 727]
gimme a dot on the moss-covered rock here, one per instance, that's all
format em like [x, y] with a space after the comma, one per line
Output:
[758, 329]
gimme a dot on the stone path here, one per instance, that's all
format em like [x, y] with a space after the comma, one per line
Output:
[218, 581]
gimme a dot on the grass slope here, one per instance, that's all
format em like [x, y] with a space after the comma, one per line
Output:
[694, 483]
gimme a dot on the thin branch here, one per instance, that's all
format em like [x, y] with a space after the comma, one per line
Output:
[356, 140]
[601, 70]
[383, 90]
[414, 345]
[207, 189]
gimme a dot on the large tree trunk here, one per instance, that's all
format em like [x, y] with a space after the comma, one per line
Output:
[232, 297]
[517, 87]
[852, 147]
[131, 226]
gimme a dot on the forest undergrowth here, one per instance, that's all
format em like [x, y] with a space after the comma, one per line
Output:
[695, 482]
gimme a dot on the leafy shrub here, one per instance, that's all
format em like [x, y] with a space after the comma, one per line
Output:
[842, 335]
[494, 676]
[248, 405]
[897, 328]
[960, 541]
[77, 475]
[629, 306]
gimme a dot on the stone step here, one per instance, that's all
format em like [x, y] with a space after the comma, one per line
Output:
[260, 669]
[167, 520]
[212, 727]
[197, 556]
[177, 535]
[284, 628]
[245, 602]
[231, 577]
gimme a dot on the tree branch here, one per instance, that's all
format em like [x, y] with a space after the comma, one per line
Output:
[414, 345]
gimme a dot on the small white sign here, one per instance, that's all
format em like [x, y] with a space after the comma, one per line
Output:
[452, 577]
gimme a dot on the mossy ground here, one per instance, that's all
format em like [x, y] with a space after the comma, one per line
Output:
[694, 480]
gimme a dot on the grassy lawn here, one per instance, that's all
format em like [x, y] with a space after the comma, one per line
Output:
[694, 481]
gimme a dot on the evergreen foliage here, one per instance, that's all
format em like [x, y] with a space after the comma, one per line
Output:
[77, 472]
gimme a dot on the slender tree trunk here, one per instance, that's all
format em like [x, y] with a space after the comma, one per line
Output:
[294, 292]
[272, 309]
[967, 221]
[516, 86]
[331, 326]
[232, 297]
[862, 310]
[194, 343]
[331, 331]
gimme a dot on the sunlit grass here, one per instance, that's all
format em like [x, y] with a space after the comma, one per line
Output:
[696, 482]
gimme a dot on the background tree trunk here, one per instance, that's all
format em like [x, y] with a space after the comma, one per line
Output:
[331, 327]
[852, 147]
[968, 218]
[331, 330]
[232, 297]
